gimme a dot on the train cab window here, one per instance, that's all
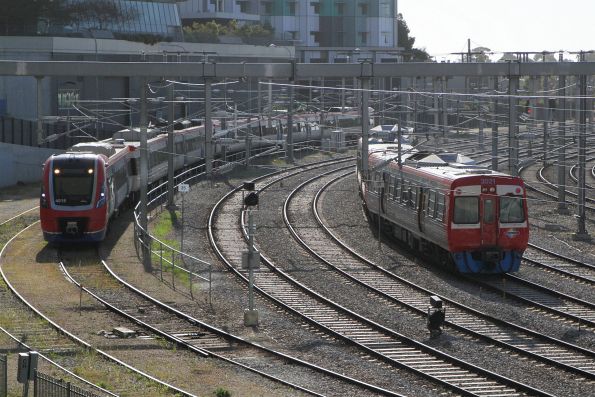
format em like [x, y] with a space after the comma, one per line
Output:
[73, 183]
[466, 210]
[511, 209]
[488, 211]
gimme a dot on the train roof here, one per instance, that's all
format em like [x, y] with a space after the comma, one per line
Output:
[449, 165]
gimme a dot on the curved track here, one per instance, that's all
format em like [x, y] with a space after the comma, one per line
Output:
[188, 332]
[378, 341]
[323, 244]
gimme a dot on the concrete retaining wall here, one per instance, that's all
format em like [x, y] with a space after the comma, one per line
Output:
[22, 163]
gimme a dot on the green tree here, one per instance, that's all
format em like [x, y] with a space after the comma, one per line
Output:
[481, 55]
[406, 41]
[209, 32]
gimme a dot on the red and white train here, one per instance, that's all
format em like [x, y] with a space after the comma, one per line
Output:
[444, 205]
[84, 187]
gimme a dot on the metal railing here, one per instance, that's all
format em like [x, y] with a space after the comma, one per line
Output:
[46, 386]
[180, 269]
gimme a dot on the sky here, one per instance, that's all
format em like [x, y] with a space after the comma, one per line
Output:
[443, 26]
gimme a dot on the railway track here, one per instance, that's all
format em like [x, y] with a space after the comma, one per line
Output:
[323, 244]
[560, 264]
[64, 351]
[378, 341]
[182, 329]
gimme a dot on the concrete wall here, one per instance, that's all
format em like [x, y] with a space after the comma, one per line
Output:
[22, 163]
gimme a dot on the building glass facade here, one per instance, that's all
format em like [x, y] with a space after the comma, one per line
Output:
[142, 17]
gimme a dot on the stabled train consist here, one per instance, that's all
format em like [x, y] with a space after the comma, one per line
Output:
[445, 206]
[84, 187]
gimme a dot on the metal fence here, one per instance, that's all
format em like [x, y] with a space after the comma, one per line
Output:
[3, 375]
[46, 386]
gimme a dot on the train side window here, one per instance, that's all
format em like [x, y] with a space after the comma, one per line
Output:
[413, 196]
[398, 190]
[466, 210]
[431, 204]
[405, 192]
[511, 209]
[440, 206]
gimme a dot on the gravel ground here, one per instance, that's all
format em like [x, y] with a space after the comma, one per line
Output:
[356, 231]
[284, 332]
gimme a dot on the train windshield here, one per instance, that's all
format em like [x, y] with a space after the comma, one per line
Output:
[511, 209]
[466, 210]
[73, 182]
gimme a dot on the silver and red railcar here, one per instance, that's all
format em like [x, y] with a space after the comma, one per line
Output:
[82, 189]
[444, 205]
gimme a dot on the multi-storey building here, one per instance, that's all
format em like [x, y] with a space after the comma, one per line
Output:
[320, 30]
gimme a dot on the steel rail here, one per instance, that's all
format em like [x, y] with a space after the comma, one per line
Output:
[391, 341]
[415, 298]
[72, 336]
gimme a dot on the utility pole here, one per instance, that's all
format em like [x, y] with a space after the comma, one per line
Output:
[582, 233]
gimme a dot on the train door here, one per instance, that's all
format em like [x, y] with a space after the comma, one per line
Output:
[489, 224]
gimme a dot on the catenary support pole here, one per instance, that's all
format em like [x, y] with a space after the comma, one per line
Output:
[495, 127]
[365, 94]
[39, 130]
[546, 118]
[144, 174]
[513, 152]
[208, 129]
[170, 146]
[289, 138]
[581, 233]
[562, 207]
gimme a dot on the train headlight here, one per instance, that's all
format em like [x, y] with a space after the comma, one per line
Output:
[43, 201]
[102, 199]
[90, 171]
[57, 171]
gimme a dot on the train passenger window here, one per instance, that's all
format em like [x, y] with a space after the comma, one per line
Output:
[398, 190]
[466, 210]
[440, 206]
[511, 209]
[405, 192]
[488, 211]
[412, 196]
[431, 204]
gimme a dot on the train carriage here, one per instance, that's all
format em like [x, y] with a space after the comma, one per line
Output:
[444, 205]
[82, 189]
